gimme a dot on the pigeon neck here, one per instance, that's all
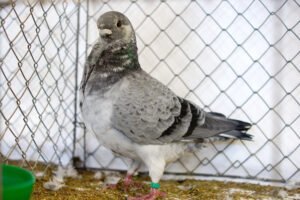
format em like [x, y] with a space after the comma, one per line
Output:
[115, 62]
[132, 55]
[118, 59]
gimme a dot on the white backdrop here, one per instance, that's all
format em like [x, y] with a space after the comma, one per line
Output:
[238, 58]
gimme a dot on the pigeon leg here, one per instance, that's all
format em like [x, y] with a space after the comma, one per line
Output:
[128, 182]
[133, 166]
[156, 169]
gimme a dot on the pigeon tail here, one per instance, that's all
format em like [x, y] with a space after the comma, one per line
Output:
[217, 125]
[239, 132]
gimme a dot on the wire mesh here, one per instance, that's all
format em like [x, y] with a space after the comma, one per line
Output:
[240, 58]
[37, 81]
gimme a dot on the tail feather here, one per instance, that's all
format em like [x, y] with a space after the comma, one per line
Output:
[217, 114]
[217, 125]
[242, 126]
[237, 135]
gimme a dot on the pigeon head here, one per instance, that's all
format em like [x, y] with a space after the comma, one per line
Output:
[114, 26]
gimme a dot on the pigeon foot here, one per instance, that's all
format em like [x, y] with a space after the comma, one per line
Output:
[128, 182]
[154, 194]
[110, 186]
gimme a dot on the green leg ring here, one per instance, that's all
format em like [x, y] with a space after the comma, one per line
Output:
[154, 185]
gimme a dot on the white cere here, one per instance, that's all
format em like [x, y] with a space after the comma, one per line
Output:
[105, 31]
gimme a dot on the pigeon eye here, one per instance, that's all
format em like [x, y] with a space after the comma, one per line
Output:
[119, 24]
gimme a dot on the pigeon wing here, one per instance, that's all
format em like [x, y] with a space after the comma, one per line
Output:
[149, 113]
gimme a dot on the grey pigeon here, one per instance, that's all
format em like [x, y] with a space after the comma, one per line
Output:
[135, 115]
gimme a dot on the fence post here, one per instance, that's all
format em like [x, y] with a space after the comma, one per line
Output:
[76, 78]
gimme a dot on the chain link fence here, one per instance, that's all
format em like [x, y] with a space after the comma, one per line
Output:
[240, 58]
[38, 82]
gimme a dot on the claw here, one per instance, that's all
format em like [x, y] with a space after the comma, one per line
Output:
[111, 186]
[154, 194]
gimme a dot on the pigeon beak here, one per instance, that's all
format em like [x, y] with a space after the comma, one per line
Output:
[105, 32]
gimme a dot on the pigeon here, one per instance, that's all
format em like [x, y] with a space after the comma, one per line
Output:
[136, 116]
